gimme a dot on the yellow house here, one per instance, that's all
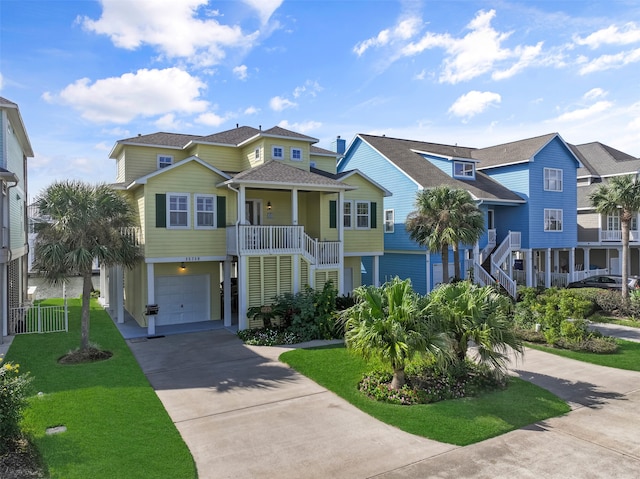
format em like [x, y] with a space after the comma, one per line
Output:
[231, 220]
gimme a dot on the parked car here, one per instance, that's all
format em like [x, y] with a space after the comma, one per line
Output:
[606, 281]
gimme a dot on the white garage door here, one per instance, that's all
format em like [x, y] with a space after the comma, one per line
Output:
[182, 299]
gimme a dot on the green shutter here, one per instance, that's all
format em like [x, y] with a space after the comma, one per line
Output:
[374, 215]
[161, 211]
[221, 207]
[333, 214]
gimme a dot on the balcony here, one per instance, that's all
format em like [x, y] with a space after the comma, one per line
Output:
[616, 235]
[267, 240]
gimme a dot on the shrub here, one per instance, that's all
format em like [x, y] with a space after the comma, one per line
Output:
[591, 344]
[267, 336]
[530, 335]
[14, 388]
[609, 301]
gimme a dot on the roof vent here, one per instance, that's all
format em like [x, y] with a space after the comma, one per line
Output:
[260, 127]
[139, 134]
[237, 125]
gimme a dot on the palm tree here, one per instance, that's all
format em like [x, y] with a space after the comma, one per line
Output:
[620, 195]
[444, 217]
[468, 312]
[387, 323]
[86, 222]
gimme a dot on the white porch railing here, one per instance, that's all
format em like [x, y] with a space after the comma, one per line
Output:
[503, 279]
[28, 319]
[264, 240]
[481, 276]
[491, 244]
[135, 234]
[511, 242]
[616, 235]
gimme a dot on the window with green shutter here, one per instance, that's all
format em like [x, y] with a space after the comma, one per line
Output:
[333, 214]
[161, 211]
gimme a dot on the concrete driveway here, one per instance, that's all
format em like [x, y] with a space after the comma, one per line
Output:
[244, 414]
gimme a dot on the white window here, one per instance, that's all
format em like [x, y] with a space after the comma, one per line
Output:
[634, 224]
[257, 154]
[362, 214]
[389, 221]
[462, 169]
[277, 152]
[164, 161]
[613, 222]
[552, 220]
[296, 154]
[552, 179]
[205, 211]
[178, 210]
[348, 214]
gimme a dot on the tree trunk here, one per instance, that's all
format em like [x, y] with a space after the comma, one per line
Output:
[456, 262]
[398, 378]
[445, 264]
[87, 286]
[625, 224]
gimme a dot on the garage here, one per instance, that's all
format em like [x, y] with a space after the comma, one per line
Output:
[182, 299]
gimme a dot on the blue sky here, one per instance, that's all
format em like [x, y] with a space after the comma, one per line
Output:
[86, 73]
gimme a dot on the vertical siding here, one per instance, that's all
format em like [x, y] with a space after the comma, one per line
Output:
[267, 277]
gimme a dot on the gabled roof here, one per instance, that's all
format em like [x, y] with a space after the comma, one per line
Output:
[277, 174]
[175, 141]
[521, 151]
[143, 180]
[315, 150]
[343, 175]
[424, 173]
[13, 112]
[603, 160]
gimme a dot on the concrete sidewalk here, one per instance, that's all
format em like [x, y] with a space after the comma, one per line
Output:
[244, 414]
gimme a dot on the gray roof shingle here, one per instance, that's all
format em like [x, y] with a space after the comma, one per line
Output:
[173, 140]
[603, 160]
[428, 175]
[276, 172]
[513, 152]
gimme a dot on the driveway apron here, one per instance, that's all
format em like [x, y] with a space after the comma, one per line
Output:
[244, 414]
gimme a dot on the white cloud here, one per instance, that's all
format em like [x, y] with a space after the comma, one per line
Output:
[526, 56]
[595, 93]
[252, 110]
[403, 30]
[177, 28]
[303, 127]
[211, 119]
[278, 103]
[422, 75]
[169, 122]
[474, 102]
[310, 87]
[584, 113]
[145, 93]
[612, 35]
[103, 146]
[607, 62]
[240, 72]
[265, 8]
[117, 131]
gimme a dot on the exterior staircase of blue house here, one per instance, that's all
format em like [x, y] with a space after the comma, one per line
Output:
[492, 266]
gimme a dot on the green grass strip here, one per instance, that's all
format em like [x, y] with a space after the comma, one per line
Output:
[627, 356]
[116, 425]
[461, 422]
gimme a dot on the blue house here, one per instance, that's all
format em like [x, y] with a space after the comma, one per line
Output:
[526, 190]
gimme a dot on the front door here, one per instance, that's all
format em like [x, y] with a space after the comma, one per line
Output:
[253, 211]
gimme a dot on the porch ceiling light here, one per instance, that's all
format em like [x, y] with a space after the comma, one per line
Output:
[182, 265]
[269, 205]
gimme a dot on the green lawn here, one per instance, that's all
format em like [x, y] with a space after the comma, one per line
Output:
[627, 356]
[461, 421]
[116, 425]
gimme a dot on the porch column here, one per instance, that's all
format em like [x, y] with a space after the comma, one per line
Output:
[226, 277]
[119, 280]
[428, 271]
[547, 268]
[556, 261]
[476, 253]
[151, 298]
[572, 263]
[113, 291]
[294, 206]
[242, 216]
[104, 286]
[242, 292]
[340, 225]
[530, 270]
[296, 273]
[620, 262]
[376, 271]
[587, 261]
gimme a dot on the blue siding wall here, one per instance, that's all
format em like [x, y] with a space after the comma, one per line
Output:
[363, 157]
[405, 266]
[367, 274]
[3, 129]
[554, 155]
[445, 165]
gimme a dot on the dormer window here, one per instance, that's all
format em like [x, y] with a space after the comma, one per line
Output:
[257, 154]
[164, 161]
[463, 169]
[296, 154]
[277, 152]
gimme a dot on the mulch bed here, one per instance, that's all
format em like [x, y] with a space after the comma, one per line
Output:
[88, 355]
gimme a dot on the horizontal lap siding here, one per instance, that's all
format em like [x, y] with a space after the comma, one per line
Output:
[516, 218]
[367, 239]
[16, 195]
[588, 227]
[405, 266]
[324, 163]
[364, 158]
[225, 158]
[140, 161]
[191, 178]
[554, 155]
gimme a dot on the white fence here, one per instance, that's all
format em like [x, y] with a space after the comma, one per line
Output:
[29, 319]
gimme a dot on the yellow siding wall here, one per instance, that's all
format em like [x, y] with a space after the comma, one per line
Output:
[325, 163]
[287, 145]
[135, 292]
[225, 158]
[322, 214]
[353, 262]
[190, 178]
[143, 160]
[368, 239]
[249, 152]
